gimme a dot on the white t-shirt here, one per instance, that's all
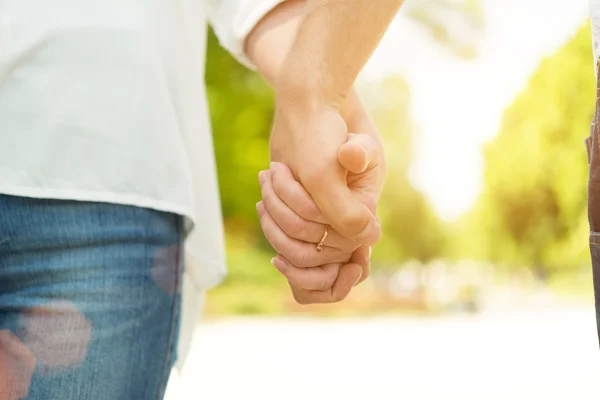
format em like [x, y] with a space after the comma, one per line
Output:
[105, 101]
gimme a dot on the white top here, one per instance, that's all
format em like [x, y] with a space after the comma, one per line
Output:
[105, 101]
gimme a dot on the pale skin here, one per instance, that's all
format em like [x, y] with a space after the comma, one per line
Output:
[322, 174]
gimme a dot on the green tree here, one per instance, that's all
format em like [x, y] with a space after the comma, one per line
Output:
[532, 210]
[411, 230]
[456, 24]
[241, 108]
[241, 111]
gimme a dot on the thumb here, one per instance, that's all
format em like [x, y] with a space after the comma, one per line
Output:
[359, 153]
[338, 205]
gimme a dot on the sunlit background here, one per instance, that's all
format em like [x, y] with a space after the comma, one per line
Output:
[481, 287]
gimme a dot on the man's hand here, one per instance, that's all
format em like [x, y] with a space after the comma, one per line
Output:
[311, 52]
[308, 141]
[291, 218]
[313, 91]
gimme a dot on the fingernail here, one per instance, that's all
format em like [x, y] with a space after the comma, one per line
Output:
[277, 263]
[274, 167]
[262, 176]
[358, 280]
[260, 208]
[370, 251]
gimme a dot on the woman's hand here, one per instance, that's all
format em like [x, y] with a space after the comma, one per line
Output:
[293, 223]
[288, 219]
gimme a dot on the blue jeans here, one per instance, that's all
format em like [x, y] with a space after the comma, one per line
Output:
[89, 300]
[593, 152]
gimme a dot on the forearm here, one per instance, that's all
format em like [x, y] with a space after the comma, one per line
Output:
[334, 40]
[270, 42]
[271, 39]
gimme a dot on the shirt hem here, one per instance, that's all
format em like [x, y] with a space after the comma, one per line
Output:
[101, 197]
[205, 273]
[233, 38]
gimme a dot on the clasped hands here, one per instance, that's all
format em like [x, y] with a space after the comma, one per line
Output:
[323, 178]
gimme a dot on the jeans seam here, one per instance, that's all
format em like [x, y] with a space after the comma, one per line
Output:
[168, 357]
[595, 238]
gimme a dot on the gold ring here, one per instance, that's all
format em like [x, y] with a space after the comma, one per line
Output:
[320, 245]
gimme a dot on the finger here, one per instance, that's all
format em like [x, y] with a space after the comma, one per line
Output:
[295, 226]
[351, 218]
[348, 276]
[362, 257]
[298, 253]
[359, 153]
[293, 194]
[318, 278]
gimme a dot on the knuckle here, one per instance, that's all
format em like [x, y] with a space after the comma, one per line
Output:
[377, 235]
[370, 202]
[278, 188]
[268, 202]
[269, 233]
[313, 178]
[298, 258]
[353, 222]
[295, 227]
[326, 282]
[343, 244]
[342, 257]
[352, 246]
[310, 211]
[267, 196]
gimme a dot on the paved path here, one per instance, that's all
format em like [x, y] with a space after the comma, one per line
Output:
[547, 355]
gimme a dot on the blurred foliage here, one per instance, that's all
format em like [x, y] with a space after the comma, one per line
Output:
[532, 210]
[411, 230]
[456, 24]
[241, 111]
[253, 285]
[241, 108]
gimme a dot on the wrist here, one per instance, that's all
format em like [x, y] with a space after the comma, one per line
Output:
[300, 103]
[270, 41]
[353, 109]
[305, 87]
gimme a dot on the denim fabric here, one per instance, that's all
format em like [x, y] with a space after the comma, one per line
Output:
[593, 152]
[89, 299]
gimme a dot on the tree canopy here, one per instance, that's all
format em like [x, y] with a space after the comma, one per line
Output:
[532, 210]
